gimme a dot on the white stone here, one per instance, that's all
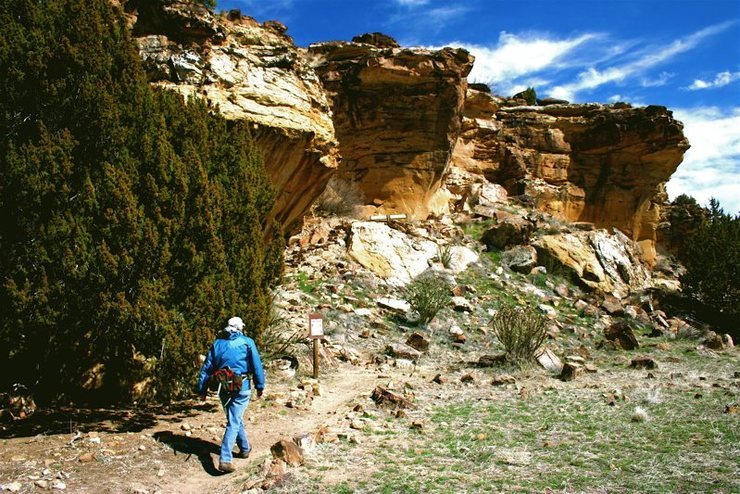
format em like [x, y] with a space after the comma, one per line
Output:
[390, 254]
[394, 304]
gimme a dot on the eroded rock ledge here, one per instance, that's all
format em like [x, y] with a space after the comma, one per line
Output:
[605, 164]
[397, 115]
[252, 72]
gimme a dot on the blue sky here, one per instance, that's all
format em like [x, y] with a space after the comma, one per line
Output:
[684, 54]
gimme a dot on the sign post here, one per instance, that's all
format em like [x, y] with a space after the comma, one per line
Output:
[315, 332]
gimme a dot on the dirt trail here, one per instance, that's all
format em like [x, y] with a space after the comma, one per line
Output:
[267, 425]
[148, 451]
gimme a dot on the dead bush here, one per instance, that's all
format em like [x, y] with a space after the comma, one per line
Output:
[521, 331]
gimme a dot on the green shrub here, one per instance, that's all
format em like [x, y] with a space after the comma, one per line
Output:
[521, 331]
[427, 295]
[529, 95]
[444, 254]
[132, 219]
[712, 260]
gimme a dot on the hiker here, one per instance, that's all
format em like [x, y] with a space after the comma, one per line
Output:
[232, 361]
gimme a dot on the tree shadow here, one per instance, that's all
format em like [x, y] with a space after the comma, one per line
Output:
[67, 420]
[190, 446]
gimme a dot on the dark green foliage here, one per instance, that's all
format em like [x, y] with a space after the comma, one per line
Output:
[685, 217]
[712, 260]
[529, 95]
[132, 220]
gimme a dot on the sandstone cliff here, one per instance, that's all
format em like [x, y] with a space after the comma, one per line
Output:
[397, 114]
[252, 72]
[400, 117]
[605, 164]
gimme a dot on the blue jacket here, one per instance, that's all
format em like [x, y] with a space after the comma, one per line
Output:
[236, 351]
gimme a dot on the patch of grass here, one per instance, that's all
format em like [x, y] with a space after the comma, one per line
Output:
[570, 441]
[475, 229]
[306, 285]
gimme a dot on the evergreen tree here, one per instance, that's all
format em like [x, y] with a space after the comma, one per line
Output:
[133, 219]
[712, 260]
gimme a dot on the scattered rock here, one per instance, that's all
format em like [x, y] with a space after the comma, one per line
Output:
[86, 458]
[570, 371]
[399, 350]
[397, 305]
[549, 361]
[503, 379]
[439, 379]
[461, 304]
[418, 341]
[11, 487]
[384, 397]
[287, 451]
[732, 408]
[548, 310]
[612, 305]
[42, 484]
[639, 415]
[417, 424]
[621, 333]
[467, 378]
[643, 363]
[521, 258]
[512, 230]
[491, 360]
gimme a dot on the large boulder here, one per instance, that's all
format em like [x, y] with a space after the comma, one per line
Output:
[397, 113]
[605, 262]
[389, 253]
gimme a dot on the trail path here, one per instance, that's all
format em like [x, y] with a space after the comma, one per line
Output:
[265, 426]
[146, 452]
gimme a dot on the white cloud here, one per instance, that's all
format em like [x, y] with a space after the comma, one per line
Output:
[515, 56]
[711, 168]
[659, 81]
[721, 79]
[416, 21]
[592, 78]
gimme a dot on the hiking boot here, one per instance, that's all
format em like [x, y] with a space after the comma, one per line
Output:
[242, 454]
[226, 467]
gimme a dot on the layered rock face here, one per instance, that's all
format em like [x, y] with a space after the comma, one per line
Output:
[601, 164]
[252, 72]
[397, 115]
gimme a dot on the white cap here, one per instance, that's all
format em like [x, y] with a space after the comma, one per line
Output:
[236, 322]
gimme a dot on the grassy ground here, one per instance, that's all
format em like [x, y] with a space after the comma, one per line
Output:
[543, 435]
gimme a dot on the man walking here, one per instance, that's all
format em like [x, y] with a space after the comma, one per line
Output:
[237, 352]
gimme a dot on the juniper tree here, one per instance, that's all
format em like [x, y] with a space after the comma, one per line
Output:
[133, 218]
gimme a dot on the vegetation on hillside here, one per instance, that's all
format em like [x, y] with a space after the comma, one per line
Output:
[712, 260]
[133, 220]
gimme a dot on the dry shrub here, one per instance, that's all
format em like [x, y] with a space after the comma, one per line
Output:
[427, 295]
[521, 331]
[340, 198]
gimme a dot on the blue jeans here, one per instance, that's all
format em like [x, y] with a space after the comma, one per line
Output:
[234, 406]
